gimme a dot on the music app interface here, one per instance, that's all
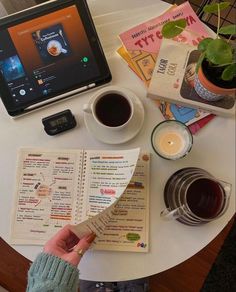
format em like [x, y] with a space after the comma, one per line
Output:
[45, 55]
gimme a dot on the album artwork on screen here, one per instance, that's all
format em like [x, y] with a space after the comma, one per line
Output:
[52, 43]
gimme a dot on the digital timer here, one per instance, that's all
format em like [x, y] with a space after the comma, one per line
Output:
[59, 122]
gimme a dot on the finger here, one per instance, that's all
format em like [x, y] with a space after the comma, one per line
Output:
[72, 241]
[85, 242]
[63, 234]
[76, 254]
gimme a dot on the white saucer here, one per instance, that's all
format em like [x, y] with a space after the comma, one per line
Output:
[119, 136]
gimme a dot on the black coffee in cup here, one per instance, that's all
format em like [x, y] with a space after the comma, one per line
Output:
[113, 110]
[193, 196]
[205, 198]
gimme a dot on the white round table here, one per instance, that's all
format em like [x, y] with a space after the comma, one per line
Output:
[214, 150]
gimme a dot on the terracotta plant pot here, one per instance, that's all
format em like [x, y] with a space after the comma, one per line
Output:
[209, 91]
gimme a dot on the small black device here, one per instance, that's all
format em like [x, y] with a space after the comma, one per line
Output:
[59, 122]
[47, 53]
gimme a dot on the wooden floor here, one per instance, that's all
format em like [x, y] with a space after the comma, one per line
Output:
[189, 276]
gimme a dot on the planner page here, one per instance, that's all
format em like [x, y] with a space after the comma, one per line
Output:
[128, 227]
[47, 185]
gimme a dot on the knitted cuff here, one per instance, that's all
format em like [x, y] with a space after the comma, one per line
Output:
[51, 268]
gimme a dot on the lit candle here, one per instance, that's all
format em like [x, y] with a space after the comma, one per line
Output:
[171, 139]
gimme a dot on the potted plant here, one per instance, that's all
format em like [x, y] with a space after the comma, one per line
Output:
[215, 75]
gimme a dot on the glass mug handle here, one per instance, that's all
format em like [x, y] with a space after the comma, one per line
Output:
[227, 187]
[87, 108]
[169, 214]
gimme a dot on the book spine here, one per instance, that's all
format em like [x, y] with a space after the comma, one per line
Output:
[80, 189]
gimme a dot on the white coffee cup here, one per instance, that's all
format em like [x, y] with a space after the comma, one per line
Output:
[111, 107]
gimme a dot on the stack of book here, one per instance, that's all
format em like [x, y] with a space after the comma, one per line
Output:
[173, 79]
[141, 47]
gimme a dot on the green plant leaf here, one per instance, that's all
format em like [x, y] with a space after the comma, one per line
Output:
[199, 62]
[229, 72]
[213, 8]
[202, 46]
[228, 29]
[173, 28]
[219, 52]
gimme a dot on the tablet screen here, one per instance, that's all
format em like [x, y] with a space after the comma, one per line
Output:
[49, 55]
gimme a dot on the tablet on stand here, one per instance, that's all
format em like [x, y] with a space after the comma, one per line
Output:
[47, 53]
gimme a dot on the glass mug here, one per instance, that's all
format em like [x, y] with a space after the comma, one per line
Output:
[193, 196]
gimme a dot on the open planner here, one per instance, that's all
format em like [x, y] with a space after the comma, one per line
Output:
[103, 191]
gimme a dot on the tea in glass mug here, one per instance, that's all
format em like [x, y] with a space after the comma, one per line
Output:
[193, 196]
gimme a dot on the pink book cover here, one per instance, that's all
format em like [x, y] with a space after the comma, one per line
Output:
[147, 35]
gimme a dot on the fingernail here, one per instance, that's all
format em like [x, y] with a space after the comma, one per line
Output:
[90, 238]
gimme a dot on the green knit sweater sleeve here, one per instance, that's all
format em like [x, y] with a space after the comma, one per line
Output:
[51, 273]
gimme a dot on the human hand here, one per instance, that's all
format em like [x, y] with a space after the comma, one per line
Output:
[67, 246]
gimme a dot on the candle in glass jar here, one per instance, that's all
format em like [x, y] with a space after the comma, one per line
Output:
[171, 140]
